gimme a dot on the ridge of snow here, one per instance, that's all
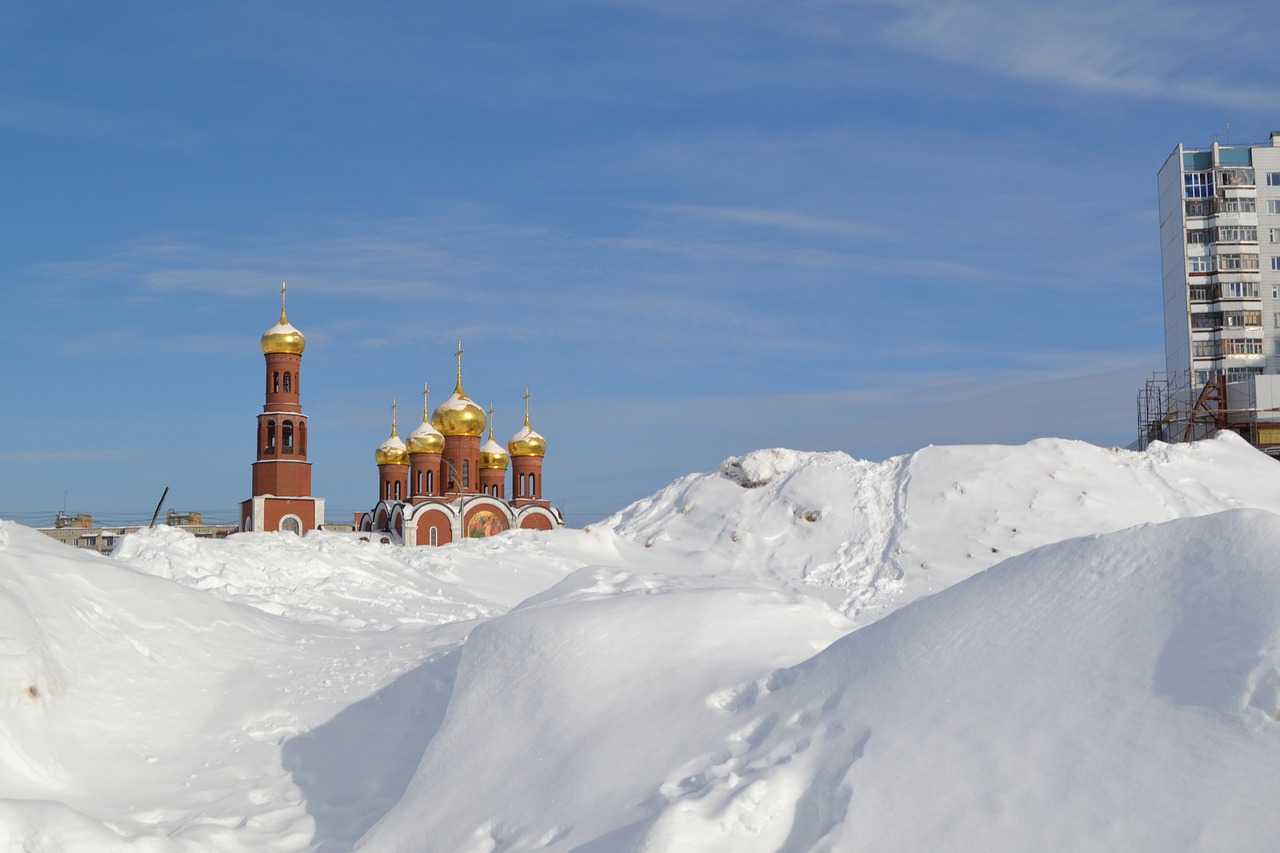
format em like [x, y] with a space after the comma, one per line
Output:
[873, 536]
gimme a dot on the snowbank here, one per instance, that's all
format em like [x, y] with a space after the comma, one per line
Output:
[871, 537]
[1113, 693]
[963, 648]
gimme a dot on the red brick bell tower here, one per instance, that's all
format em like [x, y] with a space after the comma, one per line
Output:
[282, 475]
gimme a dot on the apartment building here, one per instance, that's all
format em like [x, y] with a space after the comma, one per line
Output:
[1220, 265]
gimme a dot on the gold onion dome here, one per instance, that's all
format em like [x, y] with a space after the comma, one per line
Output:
[426, 438]
[526, 442]
[283, 337]
[459, 415]
[491, 453]
[392, 451]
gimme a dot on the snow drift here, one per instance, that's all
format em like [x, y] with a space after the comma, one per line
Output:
[995, 648]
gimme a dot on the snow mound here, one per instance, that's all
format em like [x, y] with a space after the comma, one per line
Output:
[1118, 692]
[341, 580]
[748, 660]
[873, 536]
[1115, 693]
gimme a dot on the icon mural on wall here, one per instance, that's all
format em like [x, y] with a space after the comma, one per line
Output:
[484, 523]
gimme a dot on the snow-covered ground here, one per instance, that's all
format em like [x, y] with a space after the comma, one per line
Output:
[1053, 646]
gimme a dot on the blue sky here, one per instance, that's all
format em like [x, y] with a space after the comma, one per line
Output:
[692, 230]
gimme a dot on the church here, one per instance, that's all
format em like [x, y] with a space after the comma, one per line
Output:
[440, 484]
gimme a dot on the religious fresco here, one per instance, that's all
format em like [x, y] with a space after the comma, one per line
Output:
[484, 523]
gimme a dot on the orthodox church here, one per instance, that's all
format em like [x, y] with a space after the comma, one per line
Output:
[440, 485]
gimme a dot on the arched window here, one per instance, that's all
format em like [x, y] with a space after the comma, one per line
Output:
[417, 484]
[275, 382]
[288, 382]
[386, 490]
[271, 436]
[434, 538]
[302, 437]
[466, 473]
[533, 486]
[286, 434]
[431, 482]
[397, 490]
[290, 524]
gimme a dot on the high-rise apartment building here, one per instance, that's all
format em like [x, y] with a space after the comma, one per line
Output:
[1220, 262]
[1220, 259]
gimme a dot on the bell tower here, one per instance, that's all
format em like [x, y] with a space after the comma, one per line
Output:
[281, 474]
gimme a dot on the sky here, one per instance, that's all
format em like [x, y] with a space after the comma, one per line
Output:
[691, 230]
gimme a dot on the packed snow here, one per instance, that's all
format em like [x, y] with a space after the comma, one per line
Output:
[1051, 646]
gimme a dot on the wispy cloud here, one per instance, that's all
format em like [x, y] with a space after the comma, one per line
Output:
[1149, 49]
[781, 219]
[51, 457]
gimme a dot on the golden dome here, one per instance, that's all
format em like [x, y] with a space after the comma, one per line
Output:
[491, 453]
[392, 451]
[282, 337]
[493, 456]
[526, 442]
[426, 438]
[459, 415]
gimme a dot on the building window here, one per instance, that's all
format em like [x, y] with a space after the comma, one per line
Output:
[1240, 319]
[1199, 207]
[1239, 290]
[397, 490]
[466, 474]
[434, 538]
[290, 524]
[1273, 206]
[1240, 374]
[1242, 346]
[1273, 179]
[1236, 177]
[1223, 234]
[286, 435]
[271, 436]
[1275, 263]
[431, 482]
[1236, 205]
[1199, 236]
[1200, 263]
[288, 384]
[1199, 184]
[1206, 349]
[302, 438]
[1273, 235]
[1236, 262]
[275, 383]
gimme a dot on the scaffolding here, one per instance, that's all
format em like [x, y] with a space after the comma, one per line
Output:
[1171, 410]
